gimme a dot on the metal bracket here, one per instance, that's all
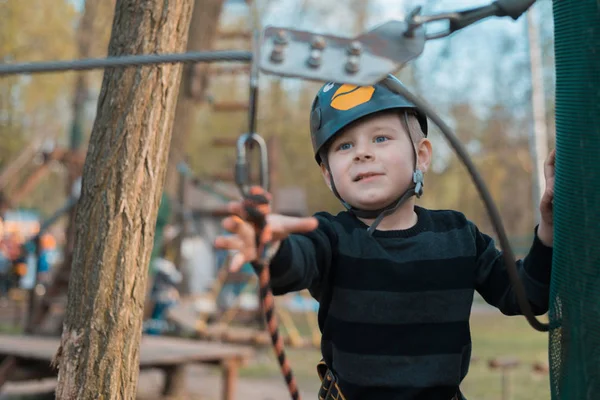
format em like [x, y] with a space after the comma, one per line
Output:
[363, 60]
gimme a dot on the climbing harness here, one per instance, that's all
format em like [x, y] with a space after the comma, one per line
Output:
[367, 59]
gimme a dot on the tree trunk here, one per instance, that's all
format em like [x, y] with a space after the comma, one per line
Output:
[202, 34]
[539, 133]
[122, 182]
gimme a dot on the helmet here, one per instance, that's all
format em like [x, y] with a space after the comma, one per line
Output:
[337, 105]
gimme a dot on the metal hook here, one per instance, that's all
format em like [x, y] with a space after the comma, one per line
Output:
[242, 165]
[416, 20]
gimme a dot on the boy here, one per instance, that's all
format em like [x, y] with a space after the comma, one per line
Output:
[395, 281]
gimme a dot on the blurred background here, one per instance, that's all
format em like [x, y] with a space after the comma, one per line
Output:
[492, 82]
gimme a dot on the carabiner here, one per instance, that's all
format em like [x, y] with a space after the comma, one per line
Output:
[416, 20]
[242, 164]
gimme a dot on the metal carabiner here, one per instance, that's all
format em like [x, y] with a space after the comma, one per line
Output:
[242, 164]
[416, 20]
[461, 19]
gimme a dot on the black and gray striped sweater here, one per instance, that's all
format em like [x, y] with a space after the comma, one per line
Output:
[394, 307]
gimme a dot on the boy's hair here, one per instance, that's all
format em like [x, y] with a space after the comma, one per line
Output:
[413, 128]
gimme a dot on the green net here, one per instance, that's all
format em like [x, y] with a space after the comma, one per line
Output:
[575, 295]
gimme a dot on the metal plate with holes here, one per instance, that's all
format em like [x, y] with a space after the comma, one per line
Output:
[363, 60]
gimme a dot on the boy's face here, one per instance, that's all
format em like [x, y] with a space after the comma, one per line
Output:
[372, 161]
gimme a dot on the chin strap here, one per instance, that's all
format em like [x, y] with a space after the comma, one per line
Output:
[415, 189]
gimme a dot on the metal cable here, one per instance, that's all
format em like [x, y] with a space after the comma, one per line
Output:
[124, 61]
[492, 210]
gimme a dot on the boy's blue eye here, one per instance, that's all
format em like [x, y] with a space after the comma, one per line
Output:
[380, 139]
[344, 146]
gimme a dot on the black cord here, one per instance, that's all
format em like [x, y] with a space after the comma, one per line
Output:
[490, 206]
[124, 61]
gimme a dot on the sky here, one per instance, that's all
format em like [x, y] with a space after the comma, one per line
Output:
[477, 58]
[484, 64]
[474, 60]
[477, 64]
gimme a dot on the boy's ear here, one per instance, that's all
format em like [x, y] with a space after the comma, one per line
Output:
[424, 154]
[326, 175]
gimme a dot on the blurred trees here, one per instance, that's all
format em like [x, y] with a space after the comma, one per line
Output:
[486, 100]
[40, 106]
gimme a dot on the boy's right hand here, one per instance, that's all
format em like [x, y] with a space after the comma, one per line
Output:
[243, 240]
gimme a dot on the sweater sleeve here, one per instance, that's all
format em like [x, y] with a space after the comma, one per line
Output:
[303, 260]
[493, 282]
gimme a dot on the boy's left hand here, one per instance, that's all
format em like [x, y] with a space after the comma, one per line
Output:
[546, 228]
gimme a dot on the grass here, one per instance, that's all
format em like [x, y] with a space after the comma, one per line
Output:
[493, 334]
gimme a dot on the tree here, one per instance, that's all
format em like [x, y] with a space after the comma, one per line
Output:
[86, 33]
[123, 179]
[29, 106]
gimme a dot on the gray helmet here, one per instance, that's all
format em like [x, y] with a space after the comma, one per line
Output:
[337, 105]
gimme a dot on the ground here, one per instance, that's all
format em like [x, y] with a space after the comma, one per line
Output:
[202, 384]
[494, 335]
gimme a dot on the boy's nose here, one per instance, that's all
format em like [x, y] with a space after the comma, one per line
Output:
[363, 152]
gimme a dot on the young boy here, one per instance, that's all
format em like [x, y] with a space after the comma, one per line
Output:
[395, 298]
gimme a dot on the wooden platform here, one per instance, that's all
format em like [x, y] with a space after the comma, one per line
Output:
[186, 318]
[32, 355]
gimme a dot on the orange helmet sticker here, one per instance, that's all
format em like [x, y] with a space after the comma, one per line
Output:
[350, 96]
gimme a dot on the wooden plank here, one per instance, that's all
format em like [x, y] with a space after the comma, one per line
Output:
[155, 351]
[230, 106]
[187, 319]
[504, 363]
[174, 381]
[232, 35]
[230, 70]
[6, 367]
[230, 375]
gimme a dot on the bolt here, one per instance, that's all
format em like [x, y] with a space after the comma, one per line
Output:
[281, 37]
[277, 53]
[315, 58]
[353, 64]
[318, 43]
[355, 48]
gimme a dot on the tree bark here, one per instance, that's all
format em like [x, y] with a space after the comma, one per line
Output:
[122, 183]
[202, 34]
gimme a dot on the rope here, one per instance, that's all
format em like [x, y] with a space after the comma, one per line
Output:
[124, 61]
[257, 207]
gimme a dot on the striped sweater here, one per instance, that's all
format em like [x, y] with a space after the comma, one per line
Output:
[394, 307]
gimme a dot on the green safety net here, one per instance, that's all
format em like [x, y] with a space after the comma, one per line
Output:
[574, 346]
